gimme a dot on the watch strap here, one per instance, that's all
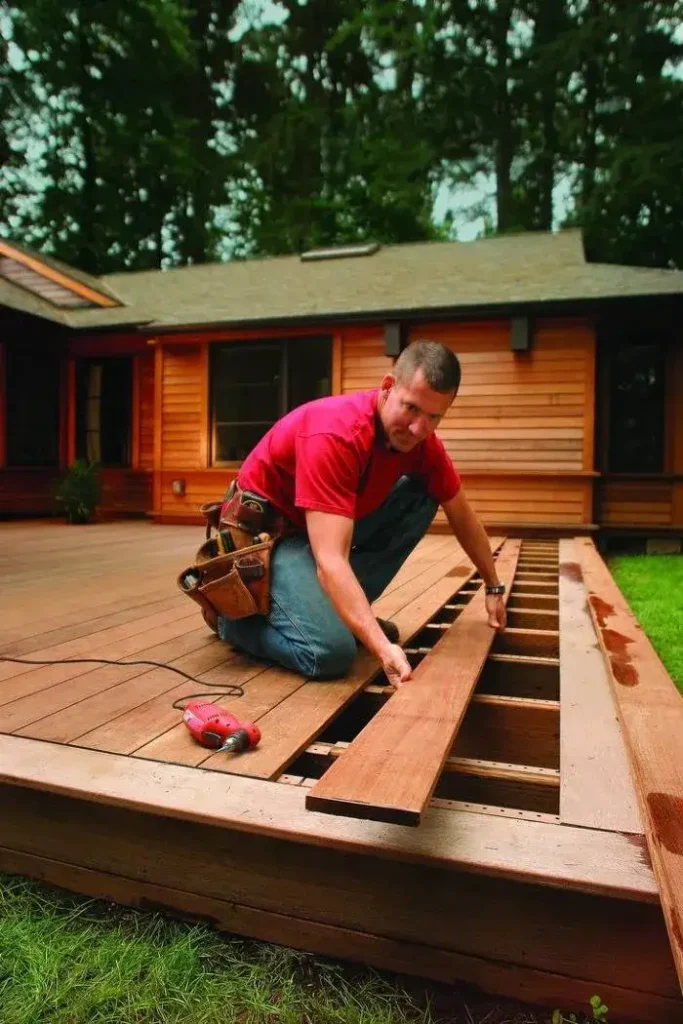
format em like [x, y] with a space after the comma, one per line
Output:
[499, 588]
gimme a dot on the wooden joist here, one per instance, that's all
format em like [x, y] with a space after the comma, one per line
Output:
[651, 714]
[391, 770]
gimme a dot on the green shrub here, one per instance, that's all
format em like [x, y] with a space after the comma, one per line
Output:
[78, 492]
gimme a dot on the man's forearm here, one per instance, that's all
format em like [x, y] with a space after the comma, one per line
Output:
[475, 543]
[346, 594]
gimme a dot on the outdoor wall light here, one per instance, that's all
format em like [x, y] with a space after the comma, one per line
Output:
[178, 488]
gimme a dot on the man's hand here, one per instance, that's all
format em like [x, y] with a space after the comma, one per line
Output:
[495, 609]
[396, 666]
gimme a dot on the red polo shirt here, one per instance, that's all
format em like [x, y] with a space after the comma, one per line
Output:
[329, 455]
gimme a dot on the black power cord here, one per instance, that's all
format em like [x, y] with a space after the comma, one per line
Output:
[231, 690]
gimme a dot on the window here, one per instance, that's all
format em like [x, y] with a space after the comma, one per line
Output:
[636, 409]
[32, 393]
[103, 410]
[254, 384]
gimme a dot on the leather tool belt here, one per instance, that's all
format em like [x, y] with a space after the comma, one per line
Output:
[231, 574]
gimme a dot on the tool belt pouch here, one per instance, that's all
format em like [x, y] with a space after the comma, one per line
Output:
[234, 585]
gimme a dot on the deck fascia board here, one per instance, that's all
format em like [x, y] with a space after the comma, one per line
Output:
[591, 861]
[651, 714]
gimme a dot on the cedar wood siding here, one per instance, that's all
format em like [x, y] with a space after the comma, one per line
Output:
[521, 430]
[515, 414]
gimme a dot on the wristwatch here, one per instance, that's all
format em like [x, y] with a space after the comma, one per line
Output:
[498, 589]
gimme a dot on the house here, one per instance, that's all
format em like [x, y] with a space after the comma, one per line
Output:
[570, 413]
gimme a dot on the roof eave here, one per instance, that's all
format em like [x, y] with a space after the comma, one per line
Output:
[491, 310]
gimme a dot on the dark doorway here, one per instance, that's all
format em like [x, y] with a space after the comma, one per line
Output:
[32, 393]
[104, 389]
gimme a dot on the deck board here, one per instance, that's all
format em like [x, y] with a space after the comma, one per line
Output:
[582, 859]
[291, 726]
[651, 712]
[596, 788]
[93, 744]
[390, 771]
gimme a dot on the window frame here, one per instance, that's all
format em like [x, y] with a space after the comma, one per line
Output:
[261, 343]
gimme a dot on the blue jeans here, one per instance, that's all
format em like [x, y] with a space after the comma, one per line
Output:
[303, 631]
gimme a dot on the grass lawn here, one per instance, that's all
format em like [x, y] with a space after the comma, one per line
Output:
[69, 960]
[653, 586]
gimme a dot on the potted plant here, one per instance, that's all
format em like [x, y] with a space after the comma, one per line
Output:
[78, 492]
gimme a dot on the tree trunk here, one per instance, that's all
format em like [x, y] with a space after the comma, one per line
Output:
[504, 152]
[592, 83]
[87, 248]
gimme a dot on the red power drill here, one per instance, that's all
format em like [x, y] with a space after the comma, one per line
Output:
[214, 727]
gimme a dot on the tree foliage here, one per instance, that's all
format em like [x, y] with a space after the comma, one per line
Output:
[153, 132]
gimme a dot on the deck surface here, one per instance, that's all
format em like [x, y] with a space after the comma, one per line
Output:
[523, 795]
[108, 592]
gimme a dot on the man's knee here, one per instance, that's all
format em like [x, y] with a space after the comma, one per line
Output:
[334, 656]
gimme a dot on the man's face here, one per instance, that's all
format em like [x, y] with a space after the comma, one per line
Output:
[411, 412]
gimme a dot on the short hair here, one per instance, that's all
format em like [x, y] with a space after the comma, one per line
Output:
[440, 366]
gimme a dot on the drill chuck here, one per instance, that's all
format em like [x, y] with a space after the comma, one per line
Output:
[236, 743]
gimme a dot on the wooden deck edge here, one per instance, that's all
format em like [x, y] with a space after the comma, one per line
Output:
[564, 857]
[596, 788]
[651, 715]
[410, 958]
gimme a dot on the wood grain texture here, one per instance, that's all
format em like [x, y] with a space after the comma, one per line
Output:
[558, 856]
[596, 788]
[390, 771]
[510, 980]
[651, 714]
[292, 725]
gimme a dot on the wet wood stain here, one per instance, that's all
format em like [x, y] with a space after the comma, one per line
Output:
[571, 571]
[623, 670]
[667, 815]
[602, 609]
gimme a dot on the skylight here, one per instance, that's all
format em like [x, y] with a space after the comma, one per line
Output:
[340, 252]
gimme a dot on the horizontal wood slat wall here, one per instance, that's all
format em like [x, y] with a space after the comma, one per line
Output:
[516, 418]
[524, 411]
[636, 503]
[516, 413]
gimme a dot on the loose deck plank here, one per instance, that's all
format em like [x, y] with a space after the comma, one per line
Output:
[596, 788]
[651, 714]
[390, 771]
[292, 725]
[602, 863]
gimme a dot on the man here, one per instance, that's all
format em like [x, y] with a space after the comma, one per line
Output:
[358, 478]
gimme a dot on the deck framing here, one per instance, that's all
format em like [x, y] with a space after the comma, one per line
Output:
[549, 896]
